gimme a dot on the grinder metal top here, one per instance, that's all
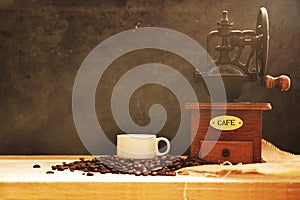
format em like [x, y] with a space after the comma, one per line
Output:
[242, 56]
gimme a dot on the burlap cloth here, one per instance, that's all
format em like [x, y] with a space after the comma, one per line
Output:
[276, 162]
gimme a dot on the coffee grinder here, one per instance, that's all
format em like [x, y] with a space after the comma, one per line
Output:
[233, 131]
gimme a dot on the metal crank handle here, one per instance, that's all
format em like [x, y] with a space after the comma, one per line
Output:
[282, 82]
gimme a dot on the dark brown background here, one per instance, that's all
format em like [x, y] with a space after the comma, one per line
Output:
[43, 44]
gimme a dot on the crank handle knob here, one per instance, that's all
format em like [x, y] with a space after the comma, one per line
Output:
[283, 82]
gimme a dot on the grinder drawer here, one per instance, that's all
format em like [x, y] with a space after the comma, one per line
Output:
[232, 151]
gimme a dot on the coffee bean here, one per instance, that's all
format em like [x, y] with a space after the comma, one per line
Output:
[138, 173]
[60, 168]
[49, 172]
[53, 167]
[72, 169]
[90, 174]
[154, 173]
[161, 172]
[95, 170]
[105, 171]
[85, 170]
[36, 166]
[145, 173]
[81, 159]
[170, 173]
[114, 171]
[140, 165]
[157, 168]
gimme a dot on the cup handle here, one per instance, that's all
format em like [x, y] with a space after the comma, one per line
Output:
[168, 146]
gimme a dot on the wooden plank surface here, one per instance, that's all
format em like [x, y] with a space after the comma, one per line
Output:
[19, 180]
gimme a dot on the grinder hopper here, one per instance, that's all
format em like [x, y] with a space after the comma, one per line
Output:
[242, 57]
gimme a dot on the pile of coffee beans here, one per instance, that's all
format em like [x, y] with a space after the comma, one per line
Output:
[163, 165]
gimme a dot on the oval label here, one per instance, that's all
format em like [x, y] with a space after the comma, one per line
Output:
[226, 122]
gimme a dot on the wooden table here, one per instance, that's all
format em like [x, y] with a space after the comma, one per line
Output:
[19, 180]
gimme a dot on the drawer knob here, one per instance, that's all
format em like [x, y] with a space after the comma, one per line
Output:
[226, 152]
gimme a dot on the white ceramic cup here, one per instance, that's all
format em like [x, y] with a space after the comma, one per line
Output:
[140, 146]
